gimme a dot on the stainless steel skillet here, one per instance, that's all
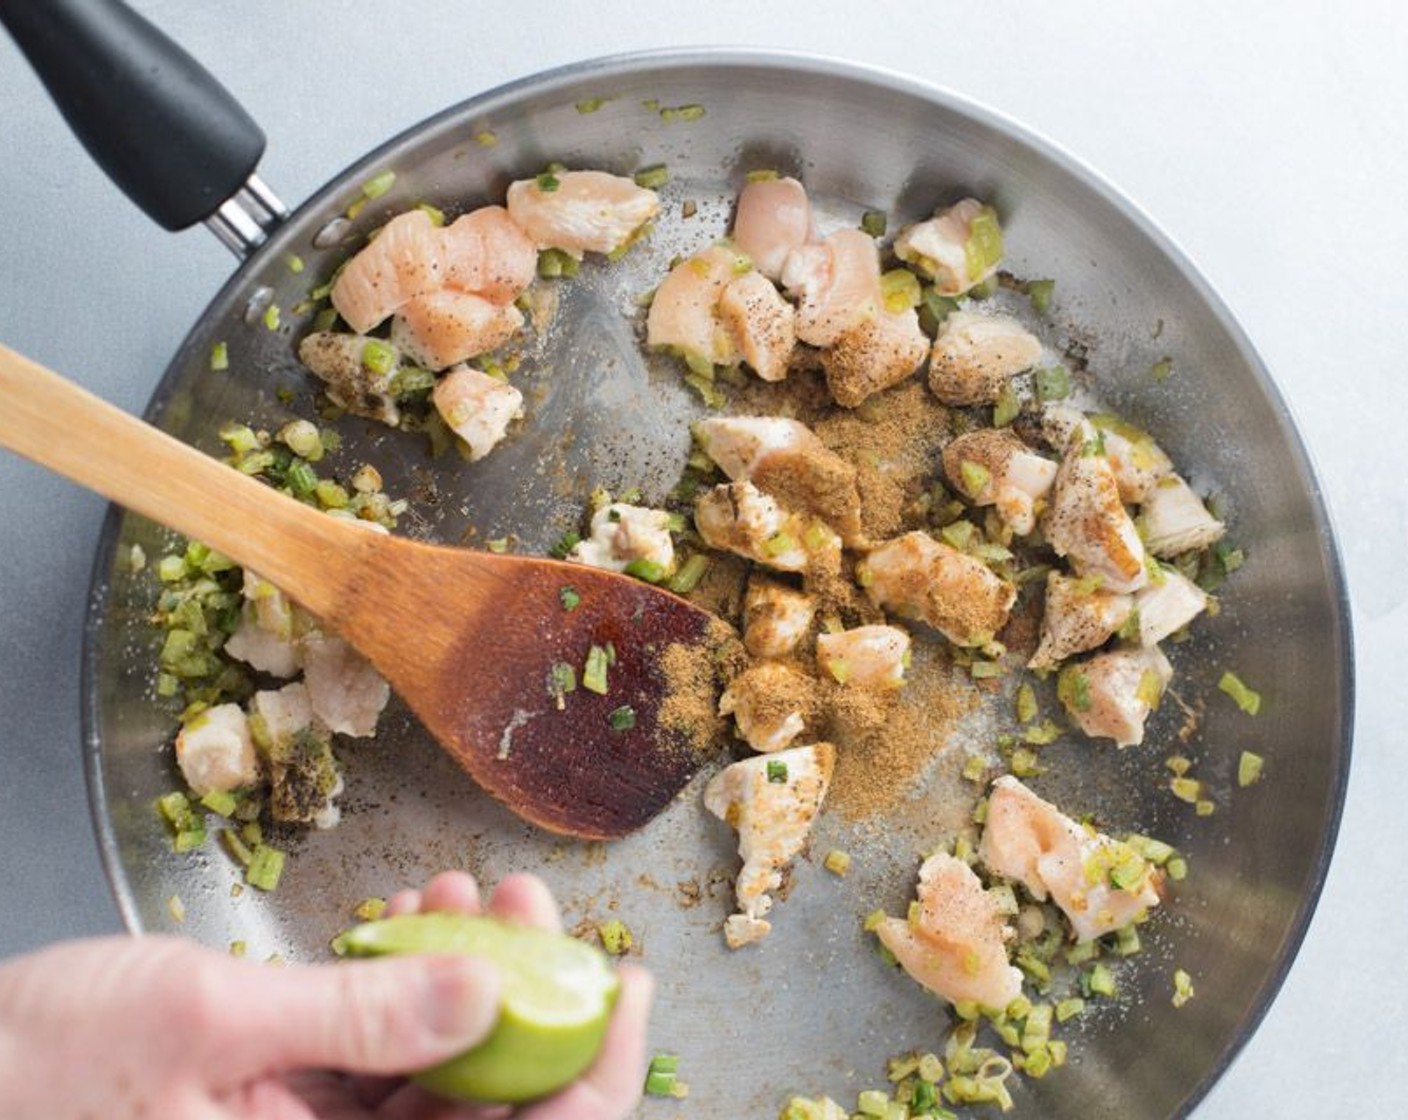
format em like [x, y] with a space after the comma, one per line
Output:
[811, 1010]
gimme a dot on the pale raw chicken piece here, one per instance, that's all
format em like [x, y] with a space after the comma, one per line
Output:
[975, 356]
[684, 312]
[775, 618]
[277, 716]
[216, 752]
[1088, 523]
[1138, 462]
[957, 248]
[865, 657]
[404, 260]
[992, 467]
[763, 324]
[1101, 884]
[477, 408]
[485, 252]
[1079, 616]
[444, 328]
[623, 533]
[740, 518]
[346, 693]
[1175, 519]
[916, 576]
[785, 459]
[1110, 695]
[772, 801]
[1169, 603]
[261, 649]
[771, 704]
[878, 352]
[957, 945]
[774, 217]
[586, 212]
[337, 360]
[837, 283]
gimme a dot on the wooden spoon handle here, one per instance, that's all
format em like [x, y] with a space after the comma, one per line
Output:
[63, 427]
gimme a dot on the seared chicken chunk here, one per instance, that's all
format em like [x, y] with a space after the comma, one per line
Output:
[775, 618]
[1169, 603]
[771, 704]
[975, 356]
[916, 576]
[1100, 884]
[1138, 462]
[441, 329]
[785, 459]
[581, 211]
[684, 313]
[992, 467]
[772, 801]
[624, 533]
[957, 248]
[338, 361]
[879, 351]
[837, 284]
[865, 657]
[1080, 615]
[1110, 695]
[1175, 519]
[956, 944]
[774, 217]
[477, 408]
[346, 693]
[740, 518]
[215, 751]
[1087, 522]
[763, 324]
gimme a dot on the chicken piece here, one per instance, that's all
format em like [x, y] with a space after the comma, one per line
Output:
[485, 252]
[684, 313]
[581, 211]
[276, 716]
[445, 328]
[1087, 522]
[1110, 695]
[1099, 883]
[261, 649]
[1169, 603]
[622, 534]
[762, 324]
[740, 518]
[303, 774]
[215, 751]
[346, 693]
[1175, 519]
[403, 261]
[477, 408]
[772, 801]
[993, 467]
[878, 352]
[956, 946]
[915, 576]
[775, 618]
[873, 657]
[975, 356]
[837, 283]
[771, 704]
[785, 459]
[337, 360]
[958, 248]
[773, 218]
[1079, 616]
[1138, 462]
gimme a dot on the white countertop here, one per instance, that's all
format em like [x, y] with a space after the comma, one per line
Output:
[1270, 140]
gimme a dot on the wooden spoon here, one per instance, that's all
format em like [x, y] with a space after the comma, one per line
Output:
[468, 639]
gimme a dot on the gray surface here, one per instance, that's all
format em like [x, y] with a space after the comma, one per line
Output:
[1262, 144]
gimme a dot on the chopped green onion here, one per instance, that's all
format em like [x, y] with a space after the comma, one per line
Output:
[590, 104]
[571, 599]
[562, 679]
[1068, 1009]
[176, 908]
[762, 175]
[837, 862]
[486, 139]
[1100, 980]
[872, 1102]
[548, 182]
[874, 222]
[691, 572]
[1161, 370]
[566, 544]
[378, 357]
[682, 113]
[900, 290]
[1246, 699]
[777, 771]
[294, 262]
[265, 868]
[622, 718]
[553, 263]
[369, 909]
[1073, 689]
[661, 1079]
[220, 357]
[220, 802]
[1007, 407]
[1182, 987]
[652, 571]
[934, 309]
[1052, 383]
[1186, 789]
[1039, 292]
[983, 249]
[616, 937]
[975, 478]
[378, 184]
[1177, 869]
[498, 545]
[1026, 703]
[654, 177]
[271, 317]
[594, 671]
[1249, 767]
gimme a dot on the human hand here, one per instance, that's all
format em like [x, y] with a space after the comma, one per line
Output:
[160, 1027]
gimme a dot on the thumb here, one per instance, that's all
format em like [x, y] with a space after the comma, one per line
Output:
[381, 1017]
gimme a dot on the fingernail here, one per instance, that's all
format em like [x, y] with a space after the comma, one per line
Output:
[463, 998]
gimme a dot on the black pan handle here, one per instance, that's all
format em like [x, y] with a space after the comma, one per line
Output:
[153, 118]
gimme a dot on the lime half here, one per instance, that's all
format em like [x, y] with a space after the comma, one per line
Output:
[557, 999]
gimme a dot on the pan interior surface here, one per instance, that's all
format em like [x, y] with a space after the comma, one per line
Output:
[812, 1009]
